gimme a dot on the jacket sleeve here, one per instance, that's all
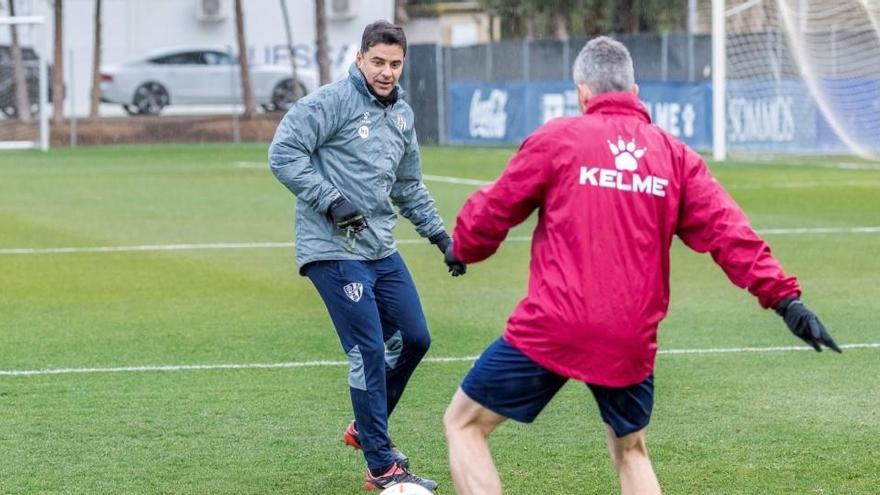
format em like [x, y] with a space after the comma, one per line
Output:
[489, 213]
[305, 128]
[411, 196]
[710, 221]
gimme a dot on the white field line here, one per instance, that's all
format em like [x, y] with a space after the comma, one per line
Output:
[783, 160]
[273, 245]
[455, 180]
[430, 178]
[147, 247]
[331, 363]
[182, 247]
[856, 166]
[820, 230]
[802, 185]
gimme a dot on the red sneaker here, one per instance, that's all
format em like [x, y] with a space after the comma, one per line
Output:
[352, 439]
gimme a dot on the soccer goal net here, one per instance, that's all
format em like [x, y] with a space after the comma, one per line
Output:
[796, 76]
[24, 74]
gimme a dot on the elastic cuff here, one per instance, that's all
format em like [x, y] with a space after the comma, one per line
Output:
[325, 204]
[782, 305]
[439, 237]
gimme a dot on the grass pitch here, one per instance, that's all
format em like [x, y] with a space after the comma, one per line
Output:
[745, 422]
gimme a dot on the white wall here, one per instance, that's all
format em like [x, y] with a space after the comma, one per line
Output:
[132, 28]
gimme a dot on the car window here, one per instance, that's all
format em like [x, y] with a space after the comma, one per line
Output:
[218, 58]
[184, 58]
[26, 54]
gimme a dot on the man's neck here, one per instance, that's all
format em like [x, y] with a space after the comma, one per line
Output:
[390, 99]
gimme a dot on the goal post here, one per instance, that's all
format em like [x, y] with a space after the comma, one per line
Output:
[796, 77]
[719, 82]
[24, 114]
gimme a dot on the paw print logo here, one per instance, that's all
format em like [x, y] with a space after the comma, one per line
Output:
[626, 154]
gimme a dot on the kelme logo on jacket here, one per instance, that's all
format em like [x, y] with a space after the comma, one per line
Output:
[354, 291]
[626, 160]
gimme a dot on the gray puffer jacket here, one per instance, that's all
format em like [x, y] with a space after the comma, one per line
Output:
[340, 140]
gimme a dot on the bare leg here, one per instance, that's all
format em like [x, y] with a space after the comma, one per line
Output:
[468, 425]
[630, 456]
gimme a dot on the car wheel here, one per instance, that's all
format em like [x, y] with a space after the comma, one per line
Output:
[285, 94]
[150, 98]
[131, 109]
[10, 109]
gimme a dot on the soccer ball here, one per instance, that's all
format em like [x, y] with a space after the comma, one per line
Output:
[406, 489]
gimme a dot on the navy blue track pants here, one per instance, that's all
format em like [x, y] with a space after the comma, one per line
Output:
[376, 310]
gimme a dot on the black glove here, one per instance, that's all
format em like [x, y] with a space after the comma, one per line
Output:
[806, 325]
[345, 216]
[441, 240]
[444, 244]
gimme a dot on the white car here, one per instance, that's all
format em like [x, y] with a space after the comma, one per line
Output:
[198, 76]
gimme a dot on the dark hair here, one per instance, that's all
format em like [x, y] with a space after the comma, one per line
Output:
[382, 32]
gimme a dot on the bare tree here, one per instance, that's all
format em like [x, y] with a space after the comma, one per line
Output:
[96, 64]
[246, 89]
[58, 65]
[22, 102]
[321, 42]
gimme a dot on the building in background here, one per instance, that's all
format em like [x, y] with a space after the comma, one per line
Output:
[450, 23]
[132, 28]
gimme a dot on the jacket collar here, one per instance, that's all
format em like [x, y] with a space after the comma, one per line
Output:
[356, 77]
[618, 103]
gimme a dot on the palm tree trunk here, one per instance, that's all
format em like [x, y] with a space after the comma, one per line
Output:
[400, 14]
[289, 33]
[631, 16]
[246, 89]
[560, 23]
[96, 64]
[58, 65]
[591, 20]
[321, 42]
[22, 102]
[531, 29]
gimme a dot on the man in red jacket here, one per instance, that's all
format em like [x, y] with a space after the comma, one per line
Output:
[612, 190]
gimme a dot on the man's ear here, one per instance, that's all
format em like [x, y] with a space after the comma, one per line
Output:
[584, 95]
[359, 59]
[634, 89]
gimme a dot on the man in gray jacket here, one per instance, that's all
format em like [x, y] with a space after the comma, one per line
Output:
[349, 153]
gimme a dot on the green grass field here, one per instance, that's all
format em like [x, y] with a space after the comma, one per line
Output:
[744, 422]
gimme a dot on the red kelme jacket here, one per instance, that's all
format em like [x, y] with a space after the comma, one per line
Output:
[611, 190]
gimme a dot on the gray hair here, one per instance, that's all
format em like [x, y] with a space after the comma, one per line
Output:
[604, 65]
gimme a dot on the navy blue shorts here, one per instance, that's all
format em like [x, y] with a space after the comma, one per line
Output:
[507, 382]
